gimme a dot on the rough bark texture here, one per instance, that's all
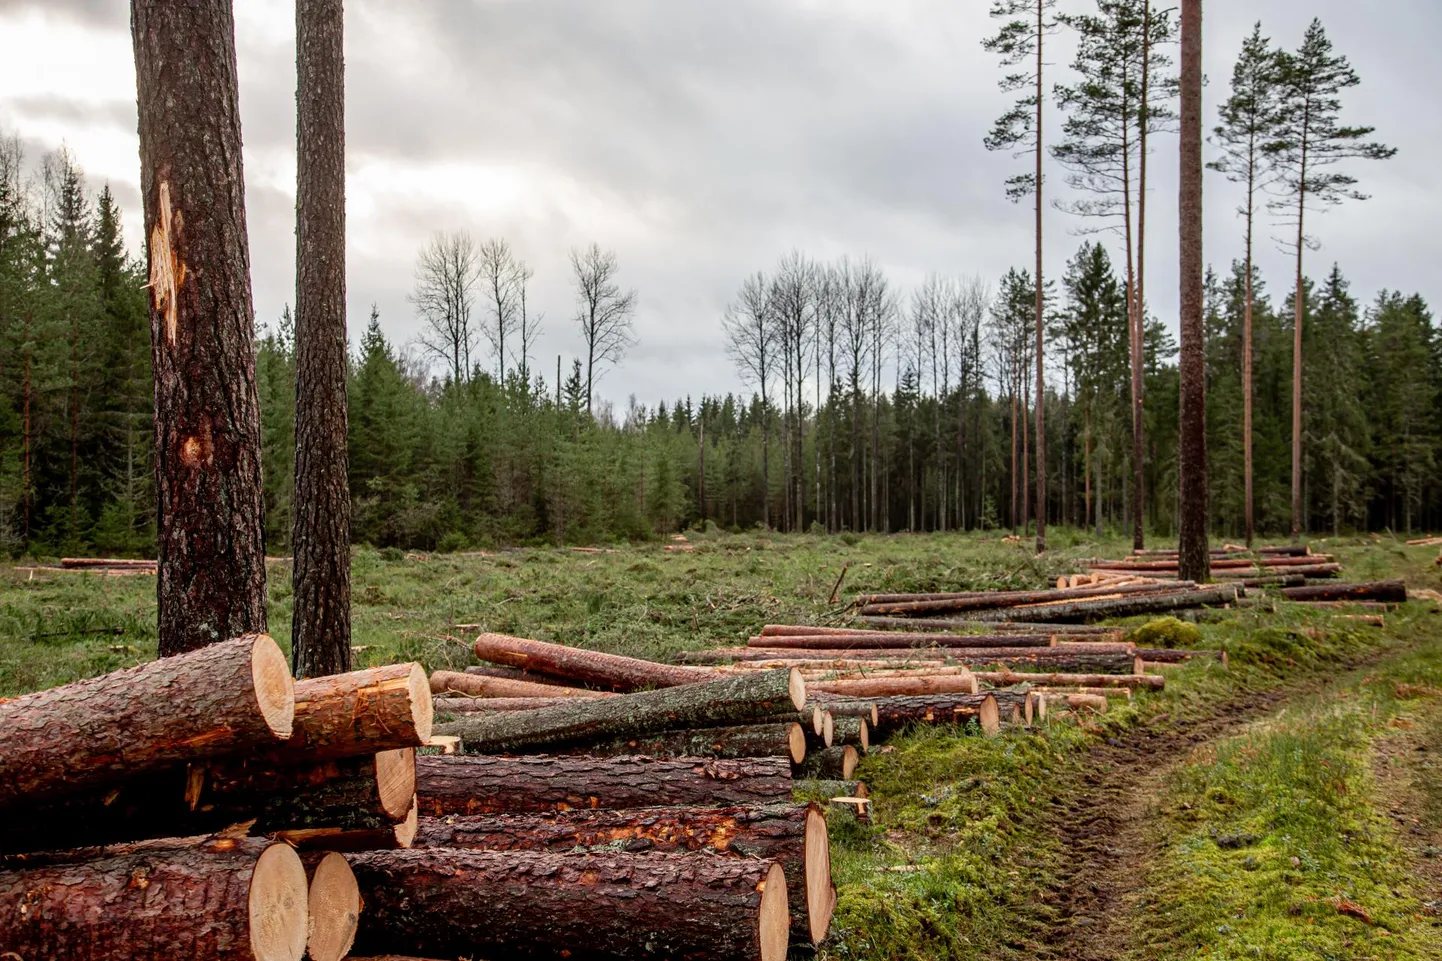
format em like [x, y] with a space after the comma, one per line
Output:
[482, 705]
[1118, 658]
[889, 686]
[834, 763]
[95, 733]
[895, 713]
[817, 789]
[788, 657]
[775, 832]
[320, 623]
[383, 837]
[878, 640]
[531, 904]
[210, 507]
[1150, 682]
[515, 674]
[786, 739]
[839, 706]
[1121, 606]
[850, 730]
[729, 700]
[362, 712]
[1163, 655]
[585, 667]
[191, 899]
[1005, 599]
[480, 685]
[493, 785]
[1392, 592]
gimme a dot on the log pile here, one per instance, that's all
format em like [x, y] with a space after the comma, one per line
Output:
[1099, 595]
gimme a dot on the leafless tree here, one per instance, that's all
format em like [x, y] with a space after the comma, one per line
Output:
[499, 272]
[794, 313]
[605, 314]
[528, 328]
[447, 275]
[751, 344]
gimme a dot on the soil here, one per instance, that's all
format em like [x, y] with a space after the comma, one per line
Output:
[1407, 765]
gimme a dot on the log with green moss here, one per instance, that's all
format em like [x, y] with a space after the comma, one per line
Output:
[785, 739]
[729, 700]
[834, 763]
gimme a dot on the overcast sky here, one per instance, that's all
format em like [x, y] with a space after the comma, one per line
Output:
[701, 140]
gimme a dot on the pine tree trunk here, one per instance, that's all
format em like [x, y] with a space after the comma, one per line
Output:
[466, 784]
[209, 900]
[207, 423]
[1193, 559]
[1299, 310]
[321, 528]
[99, 732]
[601, 907]
[792, 835]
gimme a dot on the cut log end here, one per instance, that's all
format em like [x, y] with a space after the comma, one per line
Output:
[335, 906]
[774, 917]
[797, 688]
[819, 903]
[278, 901]
[828, 728]
[849, 759]
[396, 780]
[865, 736]
[820, 723]
[990, 716]
[405, 833]
[422, 705]
[796, 743]
[274, 686]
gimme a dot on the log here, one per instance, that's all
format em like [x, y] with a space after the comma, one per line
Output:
[1346, 605]
[813, 789]
[787, 739]
[463, 704]
[1120, 607]
[471, 784]
[995, 600]
[1118, 660]
[834, 763]
[946, 624]
[595, 668]
[891, 686]
[1053, 703]
[597, 907]
[724, 701]
[847, 708]
[1389, 592]
[514, 674]
[344, 715]
[385, 837]
[880, 640]
[726, 656]
[851, 730]
[232, 899]
[1112, 693]
[476, 685]
[896, 713]
[792, 835]
[1149, 682]
[334, 907]
[233, 696]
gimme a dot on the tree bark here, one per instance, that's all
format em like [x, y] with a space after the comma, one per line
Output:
[600, 907]
[1391, 592]
[1193, 556]
[210, 505]
[792, 835]
[362, 712]
[461, 704]
[895, 713]
[747, 740]
[382, 837]
[463, 784]
[321, 511]
[729, 700]
[839, 706]
[479, 685]
[99, 732]
[1123, 606]
[823, 790]
[514, 674]
[1149, 682]
[876, 640]
[851, 730]
[585, 667]
[234, 899]
[834, 763]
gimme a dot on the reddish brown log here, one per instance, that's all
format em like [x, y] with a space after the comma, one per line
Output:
[1389, 592]
[792, 835]
[875, 640]
[345, 715]
[451, 682]
[1106, 659]
[585, 667]
[228, 697]
[515, 674]
[724, 701]
[596, 907]
[466, 784]
[235, 899]
[787, 739]
[1120, 607]
[891, 686]
[1149, 682]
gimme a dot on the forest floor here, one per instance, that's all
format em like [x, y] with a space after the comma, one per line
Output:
[1288, 807]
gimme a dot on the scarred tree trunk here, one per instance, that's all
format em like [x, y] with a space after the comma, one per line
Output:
[1193, 559]
[321, 529]
[207, 424]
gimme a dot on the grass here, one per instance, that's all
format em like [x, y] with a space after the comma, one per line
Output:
[959, 847]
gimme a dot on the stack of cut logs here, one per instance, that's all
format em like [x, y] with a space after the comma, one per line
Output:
[1287, 565]
[1094, 596]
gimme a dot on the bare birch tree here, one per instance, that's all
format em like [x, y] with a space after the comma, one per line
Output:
[604, 313]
